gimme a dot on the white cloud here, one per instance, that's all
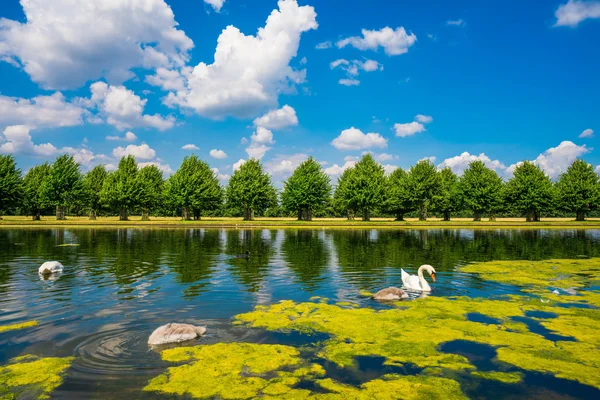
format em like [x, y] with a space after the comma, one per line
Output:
[455, 22]
[424, 119]
[354, 139]
[576, 11]
[282, 166]
[165, 168]
[382, 157]
[220, 176]
[40, 111]
[278, 119]
[216, 4]
[394, 42]
[388, 168]
[248, 72]
[409, 129]
[259, 141]
[141, 152]
[190, 146]
[352, 69]
[556, 160]
[238, 164]
[336, 170]
[597, 169]
[324, 45]
[17, 140]
[218, 154]
[349, 82]
[128, 137]
[124, 109]
[588, 133]
[430, 158]
[459, 163]
[65, 43]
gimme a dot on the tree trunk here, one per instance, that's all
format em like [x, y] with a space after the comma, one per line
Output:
[185, 214]
[300, 214]
[446, 215]
[580, 215]
[197, 214]
[123, 215]
[399, 216]
[530, 216]
[60, 213]
[477, 216]
[145, 216]
[366, 214]
[350, 215]
[307, 214]
[248, 214]
[491, 216]
[423, 213]
[92, 215]
[536, 216]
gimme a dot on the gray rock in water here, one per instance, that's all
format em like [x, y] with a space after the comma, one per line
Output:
[175, 333]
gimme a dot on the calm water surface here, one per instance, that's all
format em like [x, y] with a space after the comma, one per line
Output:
[120, 284]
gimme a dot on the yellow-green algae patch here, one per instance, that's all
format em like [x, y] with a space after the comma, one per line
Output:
[504, 377]
[32, 377]
[541, 274]
[14, 327]
[413, 334]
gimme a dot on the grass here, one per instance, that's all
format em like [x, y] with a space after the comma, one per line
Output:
[225, 222]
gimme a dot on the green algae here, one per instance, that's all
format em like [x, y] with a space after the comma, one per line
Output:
[32, 377]
[365, 293]
[504, 377]
[14, 327]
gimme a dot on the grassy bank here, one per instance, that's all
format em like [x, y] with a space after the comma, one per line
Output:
[341, 223]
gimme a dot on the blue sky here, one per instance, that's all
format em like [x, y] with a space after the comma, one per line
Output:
[498, 81]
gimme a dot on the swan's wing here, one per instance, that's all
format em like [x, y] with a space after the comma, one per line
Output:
[413, 282]
[405, 276]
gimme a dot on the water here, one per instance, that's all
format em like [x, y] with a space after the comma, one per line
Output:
[120, 284]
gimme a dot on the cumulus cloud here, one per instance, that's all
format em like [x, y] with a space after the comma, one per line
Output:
[65, 43]
[412, 128]
[588, 133]
[349, 82]
[576, 11]
[17, 140]
[248, 72]
[430, 158]
[278, 119]
[382, 157]
[220, 176]
[141, 152]
[424, 119]
[165, 168]
[355, 139]
[128, 137]
[238, 164]
[190, 146]
[460, 163]
[218, 154]
[282, 166]
[455, 22]
[123, 109]
[260, 142]
[393, 42]
[40, 111]
[556, 160]
[216, 4]
[352, 69]
[337, 170]
[388, 168]
[324, 45]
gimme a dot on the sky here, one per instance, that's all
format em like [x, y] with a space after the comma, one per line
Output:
[282, 80]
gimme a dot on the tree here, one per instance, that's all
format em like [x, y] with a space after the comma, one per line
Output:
[529, 191]
[307, 189]
[121, 189]
[250, 189]
[447, 199]
[11, 184]
[150, 182]
[194, 188]
[93, 182]
[32, 189]
[397, 196]
[480, 189]
[342, 198]
[423, 185]
[366, 185]
[578, 189]
[63, 186]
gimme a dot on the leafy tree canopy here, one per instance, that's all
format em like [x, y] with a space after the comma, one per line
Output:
[423, 185]
[93, 183]
[250, 189]
[480, 188]
[397, 194]
[150, 181]
[447, 198]
[366, 185]
[11, 185]
[307, 189]
[529, 191]
[32, 188]
[578, 189]
[63, 186]
[121, 190]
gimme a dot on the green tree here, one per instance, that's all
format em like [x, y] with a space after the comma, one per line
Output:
[447, 199]
[423, 185]
[63, 187]
[121, 189]
[150, 181]
[194, 188]
[480, 189]
[578, 189]
[306, 190]
[342, 199]
[93, 183]
[529, 191]
[32, 188]
[366, 185]
[397, 195]
[250, 189]
[11, 183]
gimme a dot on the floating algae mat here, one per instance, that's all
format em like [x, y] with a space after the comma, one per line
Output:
[14, 327]
[30, 377]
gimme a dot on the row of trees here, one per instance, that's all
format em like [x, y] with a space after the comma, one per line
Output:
[364, 189]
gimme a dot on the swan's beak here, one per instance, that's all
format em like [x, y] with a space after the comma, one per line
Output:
[433, 276]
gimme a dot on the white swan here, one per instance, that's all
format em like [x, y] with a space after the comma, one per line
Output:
[50, 267]
[175, 333]
[418, 283]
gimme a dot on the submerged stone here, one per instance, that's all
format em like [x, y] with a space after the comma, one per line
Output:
[32, 377]
[22, 325]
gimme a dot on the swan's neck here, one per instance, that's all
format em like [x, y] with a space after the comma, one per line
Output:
[422, 281]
